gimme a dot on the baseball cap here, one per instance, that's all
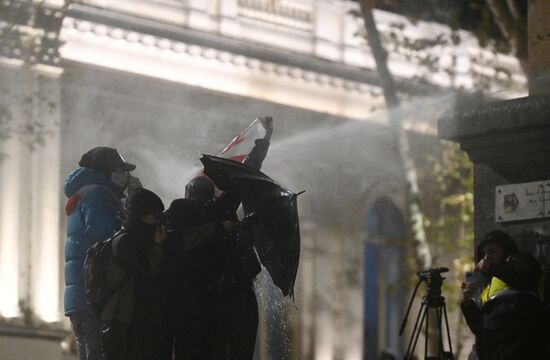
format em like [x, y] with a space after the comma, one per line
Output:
[105, 159]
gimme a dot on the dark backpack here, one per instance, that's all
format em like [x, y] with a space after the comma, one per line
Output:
[96, 283]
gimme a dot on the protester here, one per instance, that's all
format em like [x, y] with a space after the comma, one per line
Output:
[130, 319]
[216, 309]
[192, 277]
[95, 212]
[511, 322]
[238, 322]
[212, 290]
[239, 311]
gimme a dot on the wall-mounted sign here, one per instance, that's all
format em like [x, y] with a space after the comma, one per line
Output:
[522, 201]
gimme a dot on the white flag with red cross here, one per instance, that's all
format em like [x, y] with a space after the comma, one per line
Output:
[239, 148]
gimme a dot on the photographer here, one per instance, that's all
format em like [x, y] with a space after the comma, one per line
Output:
[510, 322]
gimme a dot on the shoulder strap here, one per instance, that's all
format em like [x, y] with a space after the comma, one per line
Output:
[75, 198]
[115, 239]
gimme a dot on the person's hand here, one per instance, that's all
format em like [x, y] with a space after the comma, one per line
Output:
[267, 122]
[468, 291]
[133, 184]
[483, 266]
[160, 235]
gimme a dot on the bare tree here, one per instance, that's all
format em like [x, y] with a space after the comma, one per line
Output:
[422, 249]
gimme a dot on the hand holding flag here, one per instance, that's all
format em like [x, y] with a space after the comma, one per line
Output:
[239, 148]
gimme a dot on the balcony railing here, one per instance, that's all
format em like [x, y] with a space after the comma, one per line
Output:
[279, 12]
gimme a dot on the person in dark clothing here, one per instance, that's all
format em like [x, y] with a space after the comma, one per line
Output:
[190, 281]
[491, 253]
[202, 243]
[130, 319]
[212, 291]
[94, 213]
[218, 313]
[512, 320]
[238, 323]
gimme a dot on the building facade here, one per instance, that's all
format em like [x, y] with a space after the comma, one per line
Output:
[164, 80]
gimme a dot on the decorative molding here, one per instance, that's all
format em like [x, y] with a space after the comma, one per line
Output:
[224, 57]
[323, 34]
[284, 13]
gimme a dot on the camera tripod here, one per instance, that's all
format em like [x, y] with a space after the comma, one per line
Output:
[432, 300]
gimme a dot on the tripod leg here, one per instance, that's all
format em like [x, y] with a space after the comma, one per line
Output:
[447, 326]
[439, 315]
[416, 332]
[427, 332]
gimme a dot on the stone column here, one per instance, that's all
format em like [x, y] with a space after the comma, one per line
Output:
[10, 205]
[30, 173]
[45, 188]
[539, 47]
[30, 186]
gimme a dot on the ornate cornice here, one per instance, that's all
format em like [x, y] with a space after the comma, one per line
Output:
[289, 72]
[322, 36]
[245, 48]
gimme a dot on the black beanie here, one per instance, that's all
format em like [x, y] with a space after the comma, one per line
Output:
[200, 187]
[500, 238]
[143, 202]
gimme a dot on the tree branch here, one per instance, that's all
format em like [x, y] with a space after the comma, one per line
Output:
[501, 18]
[512, 26]
[514, 10]
[423, 253]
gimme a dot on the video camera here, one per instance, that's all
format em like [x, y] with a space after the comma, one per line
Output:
[433, 280]
[430, 273]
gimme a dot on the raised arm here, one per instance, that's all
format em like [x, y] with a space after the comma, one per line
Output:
[259, 151]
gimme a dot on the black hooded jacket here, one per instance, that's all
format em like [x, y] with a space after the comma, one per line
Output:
[511, 326]
[514, 323]
[134, 272]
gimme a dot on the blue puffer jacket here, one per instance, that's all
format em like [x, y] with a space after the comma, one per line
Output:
[94, 213]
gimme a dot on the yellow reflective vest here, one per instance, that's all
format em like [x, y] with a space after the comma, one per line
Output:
[494, 287]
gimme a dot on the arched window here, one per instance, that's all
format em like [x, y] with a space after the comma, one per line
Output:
[383, 290]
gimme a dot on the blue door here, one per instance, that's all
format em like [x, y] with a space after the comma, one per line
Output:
[383, 275]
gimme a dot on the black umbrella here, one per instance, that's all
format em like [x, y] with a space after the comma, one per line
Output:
[277, 232]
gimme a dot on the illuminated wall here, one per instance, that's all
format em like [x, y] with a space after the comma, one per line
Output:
[29, 196]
